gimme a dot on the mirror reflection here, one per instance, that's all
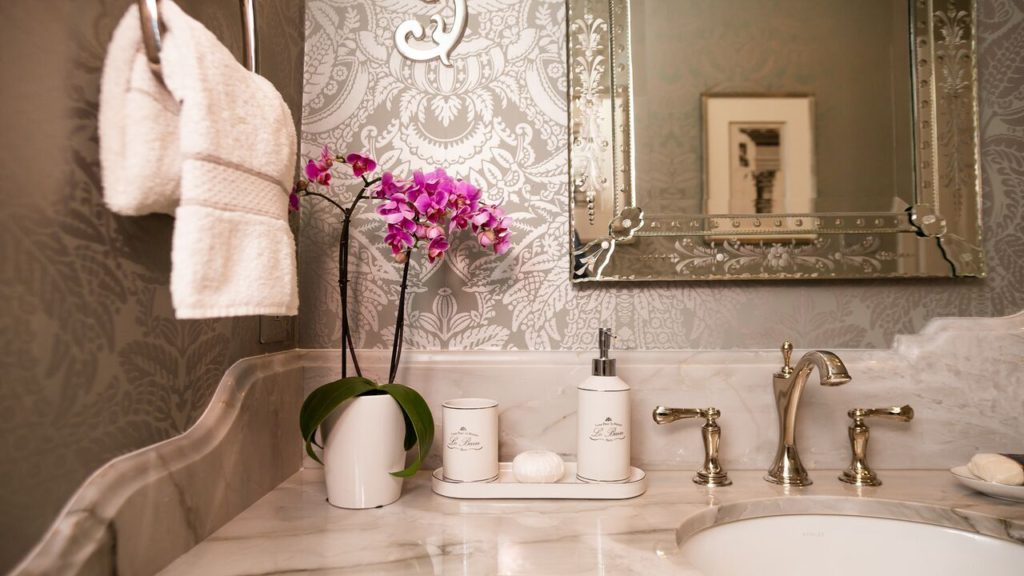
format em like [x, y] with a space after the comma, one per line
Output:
[841, 141]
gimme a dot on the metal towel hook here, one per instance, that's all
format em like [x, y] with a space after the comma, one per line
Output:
[149, 14]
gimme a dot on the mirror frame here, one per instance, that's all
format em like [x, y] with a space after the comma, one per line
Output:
[612, 239]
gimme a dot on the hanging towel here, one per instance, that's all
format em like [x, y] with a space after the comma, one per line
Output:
[138, 125]
[233, 252]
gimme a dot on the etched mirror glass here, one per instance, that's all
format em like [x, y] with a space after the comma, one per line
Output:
[789, 139]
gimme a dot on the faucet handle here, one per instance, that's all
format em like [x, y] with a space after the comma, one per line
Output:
[711, 473]
[902, 413]
[787, 356]
[664, 415]
[859, 473]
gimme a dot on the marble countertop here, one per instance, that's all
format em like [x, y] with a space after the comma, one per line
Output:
[293, 530]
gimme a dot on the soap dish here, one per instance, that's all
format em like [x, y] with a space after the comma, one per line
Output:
[568, 488]
[994, 489]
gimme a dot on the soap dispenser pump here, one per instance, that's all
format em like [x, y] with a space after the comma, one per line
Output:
[603, 434]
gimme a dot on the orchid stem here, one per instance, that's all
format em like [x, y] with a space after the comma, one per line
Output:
[396, 345]
[347, 344]
[317, 194]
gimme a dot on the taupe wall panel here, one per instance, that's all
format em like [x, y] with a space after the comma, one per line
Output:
[92, 362]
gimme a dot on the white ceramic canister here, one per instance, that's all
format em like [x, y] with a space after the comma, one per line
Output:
[603, 432]
[469, 430]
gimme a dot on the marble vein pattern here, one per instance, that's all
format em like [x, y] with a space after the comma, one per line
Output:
[963, 378]
[142, 510]
[292, 530]
[499, 118]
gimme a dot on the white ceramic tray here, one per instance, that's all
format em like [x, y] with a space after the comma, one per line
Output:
[569, 488]
[994, 489]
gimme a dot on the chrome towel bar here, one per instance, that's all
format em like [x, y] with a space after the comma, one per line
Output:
[149, 14]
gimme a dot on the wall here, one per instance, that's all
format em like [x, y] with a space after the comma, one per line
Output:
[499, 119]
[92, 362]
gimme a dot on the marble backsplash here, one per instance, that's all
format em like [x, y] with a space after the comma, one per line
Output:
[963, 378]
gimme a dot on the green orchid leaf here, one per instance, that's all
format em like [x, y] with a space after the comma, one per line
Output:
[417, 413]
[323, 401]
[410, 432]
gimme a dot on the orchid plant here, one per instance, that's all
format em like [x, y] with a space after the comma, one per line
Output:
[420, 212]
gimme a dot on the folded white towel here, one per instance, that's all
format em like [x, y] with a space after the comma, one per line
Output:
[138, 125]
[999, 468]
[233, 252]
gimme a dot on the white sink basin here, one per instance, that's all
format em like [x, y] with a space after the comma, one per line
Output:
[829, 545]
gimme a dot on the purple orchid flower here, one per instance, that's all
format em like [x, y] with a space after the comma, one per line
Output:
[316, 173]
[398, 238]
[319, 170]
[361, 164]
[432, 206]
[436, 249]
[397, 210]
[490, 225]
[463, 204]
[389, 186]
[425, 209]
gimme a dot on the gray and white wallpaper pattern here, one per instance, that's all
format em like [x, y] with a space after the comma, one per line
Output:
[92, 362]
[498, 118]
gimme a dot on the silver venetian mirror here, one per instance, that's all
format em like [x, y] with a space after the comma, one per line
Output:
[738, 139]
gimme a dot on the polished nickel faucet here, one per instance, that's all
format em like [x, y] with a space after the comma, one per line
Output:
[788, 384]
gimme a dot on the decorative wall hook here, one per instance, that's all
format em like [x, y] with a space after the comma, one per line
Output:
[445, 39]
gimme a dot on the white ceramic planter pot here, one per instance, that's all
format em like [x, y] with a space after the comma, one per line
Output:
[363, 447]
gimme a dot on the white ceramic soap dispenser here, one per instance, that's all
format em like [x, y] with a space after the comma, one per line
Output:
[603, 436]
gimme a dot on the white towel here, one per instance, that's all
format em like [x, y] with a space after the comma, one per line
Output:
[138, 124]
[233, 252]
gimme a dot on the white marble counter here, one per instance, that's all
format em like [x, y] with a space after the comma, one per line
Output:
[293, 530]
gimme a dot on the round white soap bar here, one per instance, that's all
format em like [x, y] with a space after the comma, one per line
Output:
[997, 468]
[536, 466]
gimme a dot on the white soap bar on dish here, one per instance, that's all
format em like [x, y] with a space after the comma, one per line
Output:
[997, 468]
[538, 466]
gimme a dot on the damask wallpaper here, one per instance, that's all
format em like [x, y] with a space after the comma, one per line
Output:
[498, 118]
[92, 362]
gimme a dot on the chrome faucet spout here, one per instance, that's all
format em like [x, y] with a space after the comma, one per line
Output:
[788, 386]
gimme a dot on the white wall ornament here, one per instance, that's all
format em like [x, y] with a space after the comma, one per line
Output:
[445, 39]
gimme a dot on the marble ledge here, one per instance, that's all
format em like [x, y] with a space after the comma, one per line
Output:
[144, 509]
[293, 529]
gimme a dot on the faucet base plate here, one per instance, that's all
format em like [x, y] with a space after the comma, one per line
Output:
[792, 481]
[712, 479]
[860, 478]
